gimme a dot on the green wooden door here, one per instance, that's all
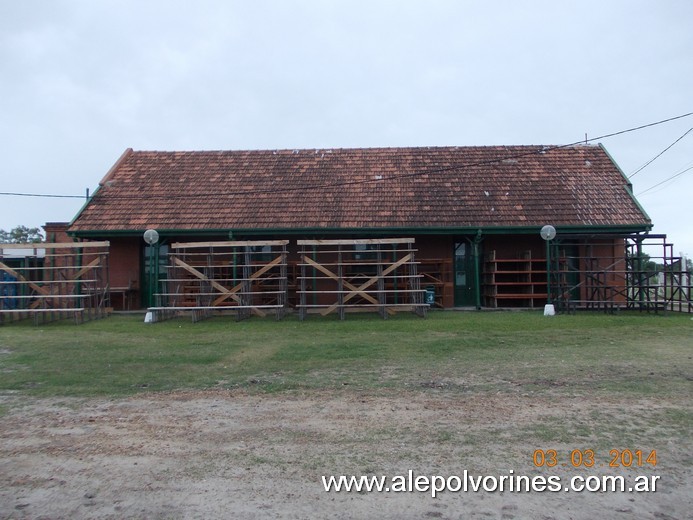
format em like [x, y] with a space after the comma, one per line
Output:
[151, 283]
[464, 275]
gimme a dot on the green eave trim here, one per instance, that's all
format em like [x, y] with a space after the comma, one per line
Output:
[463, 230]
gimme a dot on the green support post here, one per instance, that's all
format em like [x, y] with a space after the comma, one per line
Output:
[156, 272]
[315, 274]
[150, 284]
[477, 274]
[548, 272]
[395, 280]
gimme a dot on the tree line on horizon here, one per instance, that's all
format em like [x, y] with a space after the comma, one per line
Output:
[21, 235]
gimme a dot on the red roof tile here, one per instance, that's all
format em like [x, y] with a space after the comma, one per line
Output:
[362, 188]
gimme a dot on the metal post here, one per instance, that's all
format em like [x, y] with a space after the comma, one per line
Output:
[151, 237]
[157, 275]
[641, 275]
[340, 284]
[548, 272]
[395, 279]
[548, 233]
[302, 299]
[150, 288]
[315, 277]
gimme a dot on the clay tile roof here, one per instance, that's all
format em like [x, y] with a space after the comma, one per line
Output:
[439, 187]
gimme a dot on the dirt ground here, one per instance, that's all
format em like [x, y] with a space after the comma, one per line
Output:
[234, 454]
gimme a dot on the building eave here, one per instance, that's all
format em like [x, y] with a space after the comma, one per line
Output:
[394, 230]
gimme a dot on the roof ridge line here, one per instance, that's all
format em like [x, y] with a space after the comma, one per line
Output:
[314, 150]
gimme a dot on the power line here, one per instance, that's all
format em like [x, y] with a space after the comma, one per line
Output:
[43, 195]
[636, 128]
[539, 150]
[659, 154]
[666, 180]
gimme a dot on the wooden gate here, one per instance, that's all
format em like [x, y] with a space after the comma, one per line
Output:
[49, 281]
[249, 277]
[362, 274]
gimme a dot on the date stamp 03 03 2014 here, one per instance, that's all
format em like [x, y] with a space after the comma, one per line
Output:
[587, 458]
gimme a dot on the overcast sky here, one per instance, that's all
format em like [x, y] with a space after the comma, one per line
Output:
[82, 80]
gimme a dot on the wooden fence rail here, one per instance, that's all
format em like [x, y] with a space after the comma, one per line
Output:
[247, 277]
[359, 274]
[48, 281]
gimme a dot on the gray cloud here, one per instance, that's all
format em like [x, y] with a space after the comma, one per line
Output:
[83, 80]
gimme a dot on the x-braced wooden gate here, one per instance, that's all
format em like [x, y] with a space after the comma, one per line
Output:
[249, 277]
[362, 274]
[49, 281]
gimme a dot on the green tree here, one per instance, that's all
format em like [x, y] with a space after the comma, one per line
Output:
[21, 235]
[646, 264]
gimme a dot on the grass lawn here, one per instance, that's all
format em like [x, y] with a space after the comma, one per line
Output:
[630, 354]
[117, 414]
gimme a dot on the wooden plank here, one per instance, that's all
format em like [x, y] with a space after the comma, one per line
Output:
[205, 278]
[45, 269]
[345, 242]
[384, 291]
[336, 278]
[86, 268]
[232, 243]
[36, 304]
[258, 293]
[213, 283]
[54, 282]
[215, 308]
[359, 290]
[25, 311]
[19, 277]
[258, 279]
[360, 251]
[50, 297]
[55, 245]
[363, 263]
[520, 296]
[352, 277]
[255, 275]
[371, 305]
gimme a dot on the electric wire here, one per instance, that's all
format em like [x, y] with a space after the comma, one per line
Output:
[538, 150]
[659, 154]
[666, 180]
[43, 195]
